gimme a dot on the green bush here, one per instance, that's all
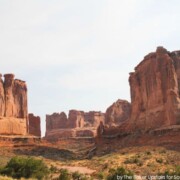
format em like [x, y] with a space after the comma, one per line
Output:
[120, 171]
[19, 167]
[100, 175]
[65, 175]
[77, 176]
[133, 160]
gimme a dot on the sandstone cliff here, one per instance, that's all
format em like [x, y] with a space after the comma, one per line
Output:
[117, 113]
[77, 124]
[34, 125]
[155, 91]
[13, 105]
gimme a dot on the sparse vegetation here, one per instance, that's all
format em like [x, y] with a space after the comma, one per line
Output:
[64, 175]
[19, 167]
[133, 160]
[159, 160]
[120, 171]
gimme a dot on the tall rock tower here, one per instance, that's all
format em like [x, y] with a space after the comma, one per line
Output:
[13, 106]
[155, 91]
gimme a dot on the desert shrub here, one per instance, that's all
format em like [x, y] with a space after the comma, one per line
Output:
[100, 175]
[162, 151]
[77, 176]
[148, 153]
[160, 160]
[120, 171]
[64, 175]
[19, 167]
[53, 169]
[133, 160]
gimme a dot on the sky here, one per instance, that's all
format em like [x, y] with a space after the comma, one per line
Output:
[77, 54]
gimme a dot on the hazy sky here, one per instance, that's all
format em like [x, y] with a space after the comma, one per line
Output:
[77, 54]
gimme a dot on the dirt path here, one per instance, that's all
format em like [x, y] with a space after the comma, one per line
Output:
[83, 170]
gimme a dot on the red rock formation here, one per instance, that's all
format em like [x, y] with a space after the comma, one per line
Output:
[78, 124]
[56, 121]
[34, 125]
[117, 113]
[13, 126]
[15, 97]
[13, 106]
[93, 118]
[155, 91]
[76, 119]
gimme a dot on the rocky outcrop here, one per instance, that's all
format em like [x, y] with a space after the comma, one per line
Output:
[78, 124]
[34, 125]
[76, 119]
[13, 105]
[155, 91]
[13, 126]
[15, 92]
[117, 113]
[56, 121]
[93, 118]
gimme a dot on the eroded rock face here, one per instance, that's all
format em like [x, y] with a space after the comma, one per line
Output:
[56, 121]
[15, 97]
[117, 113]
[78, 124]
[155, 91]
[34, 125]
[93, 118]
[13, 126]
[13, 104]
[76, 119]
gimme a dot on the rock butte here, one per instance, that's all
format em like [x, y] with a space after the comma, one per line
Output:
[13, 106]
[155, 91]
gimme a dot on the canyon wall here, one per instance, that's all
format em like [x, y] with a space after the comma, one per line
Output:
[77, 124]
[34, 125]
[87, 124]
[13, 106]
[155, 91]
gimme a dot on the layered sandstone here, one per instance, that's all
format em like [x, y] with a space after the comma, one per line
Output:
[117, 113]
[13, 105]
[34, 125]
[13, 126]
[155, 91]
[77, 124]
[94, 118]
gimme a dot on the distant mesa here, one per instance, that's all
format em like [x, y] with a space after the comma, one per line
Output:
[85, 124]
